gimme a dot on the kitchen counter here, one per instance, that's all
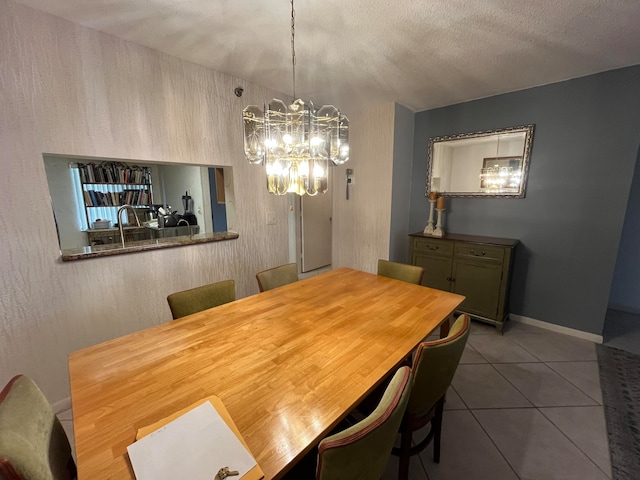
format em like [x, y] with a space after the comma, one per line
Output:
[94, 251]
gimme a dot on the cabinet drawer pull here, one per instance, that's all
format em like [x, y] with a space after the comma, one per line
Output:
[433, 248]
[481, 254]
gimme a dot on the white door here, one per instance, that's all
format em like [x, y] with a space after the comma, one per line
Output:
[315, 226]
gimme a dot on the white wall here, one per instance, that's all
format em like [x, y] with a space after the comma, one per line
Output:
[66, 89]
[178, 179]
[361, 225]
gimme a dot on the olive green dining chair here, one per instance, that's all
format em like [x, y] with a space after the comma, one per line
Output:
[434, 366]
[277, 277]
[361, 452]
[400, 271]
[201, 298]
[33, 444]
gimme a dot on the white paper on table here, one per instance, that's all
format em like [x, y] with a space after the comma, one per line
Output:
[194, 446]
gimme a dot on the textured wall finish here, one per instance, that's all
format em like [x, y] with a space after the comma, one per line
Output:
[66, 89]
[421, 53]
[361, 224]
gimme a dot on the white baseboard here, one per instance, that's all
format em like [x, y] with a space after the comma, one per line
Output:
[61, 405]
[592, 337]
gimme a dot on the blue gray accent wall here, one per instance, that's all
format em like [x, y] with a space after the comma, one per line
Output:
[625, 290]
[401, 183]
[585, 145]
[218, 210]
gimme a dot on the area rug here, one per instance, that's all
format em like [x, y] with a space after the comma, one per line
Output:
[620, 380]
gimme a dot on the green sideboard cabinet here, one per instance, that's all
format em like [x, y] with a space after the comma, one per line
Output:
[477, 267]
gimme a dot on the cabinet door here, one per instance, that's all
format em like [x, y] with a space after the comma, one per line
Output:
[437, 270]
[480, 283]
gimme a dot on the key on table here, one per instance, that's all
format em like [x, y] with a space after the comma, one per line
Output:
[225, 472]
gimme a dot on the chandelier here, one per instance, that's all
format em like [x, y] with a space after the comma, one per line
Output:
[501, 176]
[296, 143]
[500, 179]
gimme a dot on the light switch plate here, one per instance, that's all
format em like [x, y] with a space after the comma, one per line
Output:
[271, 218]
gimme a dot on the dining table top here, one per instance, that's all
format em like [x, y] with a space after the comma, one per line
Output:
[288, 364]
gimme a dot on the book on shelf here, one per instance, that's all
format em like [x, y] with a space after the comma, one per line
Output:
[111, 172]
[135, 197]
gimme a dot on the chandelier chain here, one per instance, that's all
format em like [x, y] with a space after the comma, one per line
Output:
[293, 48]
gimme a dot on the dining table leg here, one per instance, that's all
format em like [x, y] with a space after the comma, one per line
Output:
[445, 326]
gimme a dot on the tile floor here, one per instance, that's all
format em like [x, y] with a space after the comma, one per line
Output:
[526, 405]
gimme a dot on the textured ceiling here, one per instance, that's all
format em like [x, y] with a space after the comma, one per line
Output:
[419, 53]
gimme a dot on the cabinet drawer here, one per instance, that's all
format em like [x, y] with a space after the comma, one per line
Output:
[429, 246]
[486, 252]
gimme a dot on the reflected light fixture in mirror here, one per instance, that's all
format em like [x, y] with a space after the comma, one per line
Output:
[482, 164]
[296, 143]
[501, 174]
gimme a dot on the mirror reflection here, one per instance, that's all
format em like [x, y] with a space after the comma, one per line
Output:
[104, 202]
[482, 164]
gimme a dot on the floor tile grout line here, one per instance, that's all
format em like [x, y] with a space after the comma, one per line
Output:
[553, 361]
[459, 396]
[551, 335]
[509, 363]
[554, 372]
[495, 444]
[537, 407]
[424, 467]
[510, 383]
[525, 349]
[480, 425]
[521, 407]
[569, 380]
[568, 438]
[517, 345]
[486, 360]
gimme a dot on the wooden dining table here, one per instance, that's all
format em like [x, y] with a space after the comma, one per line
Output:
[288, 364]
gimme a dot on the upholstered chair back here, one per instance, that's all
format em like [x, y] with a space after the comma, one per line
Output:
[361, 452]
[201, 298]
[33, 444]
[434, 366]
[400, 271]
[277, 277]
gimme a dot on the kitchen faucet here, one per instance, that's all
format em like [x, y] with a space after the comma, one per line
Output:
[182, 220]
[124, 207]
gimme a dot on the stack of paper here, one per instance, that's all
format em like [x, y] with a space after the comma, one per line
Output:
[194, 443]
